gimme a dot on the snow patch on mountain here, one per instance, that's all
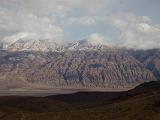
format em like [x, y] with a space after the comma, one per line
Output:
[93, 42]
[22, 42]
[44, 45]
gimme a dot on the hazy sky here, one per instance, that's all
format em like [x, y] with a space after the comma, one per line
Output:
[130, 23]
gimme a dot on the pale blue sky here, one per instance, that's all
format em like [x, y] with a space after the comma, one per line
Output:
[129, 23]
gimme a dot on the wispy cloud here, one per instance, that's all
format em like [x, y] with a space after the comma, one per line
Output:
[131, 24]
[86, 20]
[35, 27]
[136, 31]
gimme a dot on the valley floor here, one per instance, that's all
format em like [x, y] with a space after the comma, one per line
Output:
[141, 103]
[47, 92]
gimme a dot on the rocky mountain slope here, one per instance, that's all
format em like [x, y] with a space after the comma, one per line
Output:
[150, 59]
[36, 64]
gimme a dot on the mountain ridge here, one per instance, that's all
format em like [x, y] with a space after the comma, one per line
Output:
[85, 66]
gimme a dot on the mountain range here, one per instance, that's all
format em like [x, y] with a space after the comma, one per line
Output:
[86, 64]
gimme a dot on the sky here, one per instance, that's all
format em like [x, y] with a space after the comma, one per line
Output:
[125, 23]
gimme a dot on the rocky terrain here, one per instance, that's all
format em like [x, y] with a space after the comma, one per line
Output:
[38, 65]
[150, 58]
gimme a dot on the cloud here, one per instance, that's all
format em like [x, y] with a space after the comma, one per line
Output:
[56, 6]
[136, 31]
[86, 20]
[39, 6]
[45, 19]
[33, 26]
[144, 27]
[98, 39]
[13, 38]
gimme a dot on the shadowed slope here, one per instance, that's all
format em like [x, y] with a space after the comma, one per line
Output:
[141, 103]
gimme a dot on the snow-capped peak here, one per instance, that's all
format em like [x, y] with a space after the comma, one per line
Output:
[86, 45]
[93, 42]
[44, 45]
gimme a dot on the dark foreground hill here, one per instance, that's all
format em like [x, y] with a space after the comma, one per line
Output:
[141, 103]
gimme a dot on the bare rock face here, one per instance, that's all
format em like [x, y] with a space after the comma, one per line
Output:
[110, 68]
[43, 64]
[150, 59]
